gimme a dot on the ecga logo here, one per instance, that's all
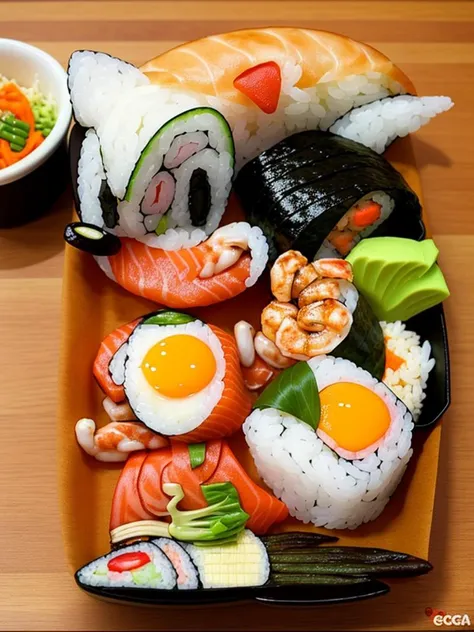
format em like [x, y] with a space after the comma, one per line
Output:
[439, 618]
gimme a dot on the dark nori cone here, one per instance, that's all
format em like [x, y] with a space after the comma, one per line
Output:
[299, 189]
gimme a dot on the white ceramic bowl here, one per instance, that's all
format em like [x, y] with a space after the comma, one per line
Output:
[23, 63]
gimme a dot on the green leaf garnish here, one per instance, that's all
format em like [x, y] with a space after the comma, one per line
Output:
[222, 520]
[295, 392]
[197, 454]
[168, 317]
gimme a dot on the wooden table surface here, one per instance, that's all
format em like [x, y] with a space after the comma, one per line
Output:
[434, 44]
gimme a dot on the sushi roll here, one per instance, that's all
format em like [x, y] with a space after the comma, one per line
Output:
[341, 472]
[151, 167]
[180, 376]
[317, 310]
[141, 565]
[187, 575]
[319, 193]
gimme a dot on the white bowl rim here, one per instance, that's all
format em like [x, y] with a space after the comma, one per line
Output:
[37, 157]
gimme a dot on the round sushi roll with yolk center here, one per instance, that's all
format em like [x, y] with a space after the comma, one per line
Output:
[343, 474]
[141, 565]
[182, 380]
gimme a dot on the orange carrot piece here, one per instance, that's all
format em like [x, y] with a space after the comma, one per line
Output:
[13, 99]
[262, 85]
[366, 215]
[342, 242]
[392, 361]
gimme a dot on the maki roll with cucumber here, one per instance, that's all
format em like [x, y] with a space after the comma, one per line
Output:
[319, 193]
[153, 166]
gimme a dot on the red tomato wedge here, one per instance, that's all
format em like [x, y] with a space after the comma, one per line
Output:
[261, 84]
[128, 561]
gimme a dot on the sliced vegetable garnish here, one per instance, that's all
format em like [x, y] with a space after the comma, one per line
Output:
[221, 521]
[128, 561]
[295, 392]
[262, 85]
[197, 454]
[92, 239]
[168, 317]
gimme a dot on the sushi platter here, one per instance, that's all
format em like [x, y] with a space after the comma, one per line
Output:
[255, 357]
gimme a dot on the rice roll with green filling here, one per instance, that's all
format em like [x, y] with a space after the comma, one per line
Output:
[141, 565]
[339, 468]
[317, 189]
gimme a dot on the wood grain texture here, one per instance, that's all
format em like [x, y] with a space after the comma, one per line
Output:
[434, 44]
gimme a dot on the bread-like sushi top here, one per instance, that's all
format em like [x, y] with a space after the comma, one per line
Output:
[211, 64]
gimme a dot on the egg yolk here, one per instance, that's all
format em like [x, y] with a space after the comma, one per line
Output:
[179, 366]
[353, 416]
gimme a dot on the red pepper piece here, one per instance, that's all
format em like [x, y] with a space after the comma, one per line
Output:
[128, 561]
[261, 84]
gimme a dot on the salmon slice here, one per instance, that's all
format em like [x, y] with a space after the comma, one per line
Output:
[149, 487]
[109, 346]
[209, 66]
[171, 277]
[139, 493]
[235, 404]
[180, 471]
[258, 374]
[126, 503]
[263, 508]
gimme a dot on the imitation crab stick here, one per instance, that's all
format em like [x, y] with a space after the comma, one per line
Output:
[139, 492]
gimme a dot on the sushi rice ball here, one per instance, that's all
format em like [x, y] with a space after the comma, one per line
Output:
[182, 378]
[343, 474]
[141, 565]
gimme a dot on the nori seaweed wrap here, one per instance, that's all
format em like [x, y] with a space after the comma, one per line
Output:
[298, 190]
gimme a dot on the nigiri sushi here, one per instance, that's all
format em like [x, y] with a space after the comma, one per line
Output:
[271, 82]
[140, 492]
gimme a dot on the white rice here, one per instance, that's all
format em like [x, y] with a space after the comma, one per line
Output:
[89, 179]
[410, 380]
[315, 483]
[96, 572]
[377, 124]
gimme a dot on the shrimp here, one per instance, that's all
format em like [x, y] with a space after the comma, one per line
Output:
[319, 290]
[118, 412]
[273, 315]
[116, 440]
[222, 250]
[283, 272]
[316, 331]
[270, 353]
[244, 334]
